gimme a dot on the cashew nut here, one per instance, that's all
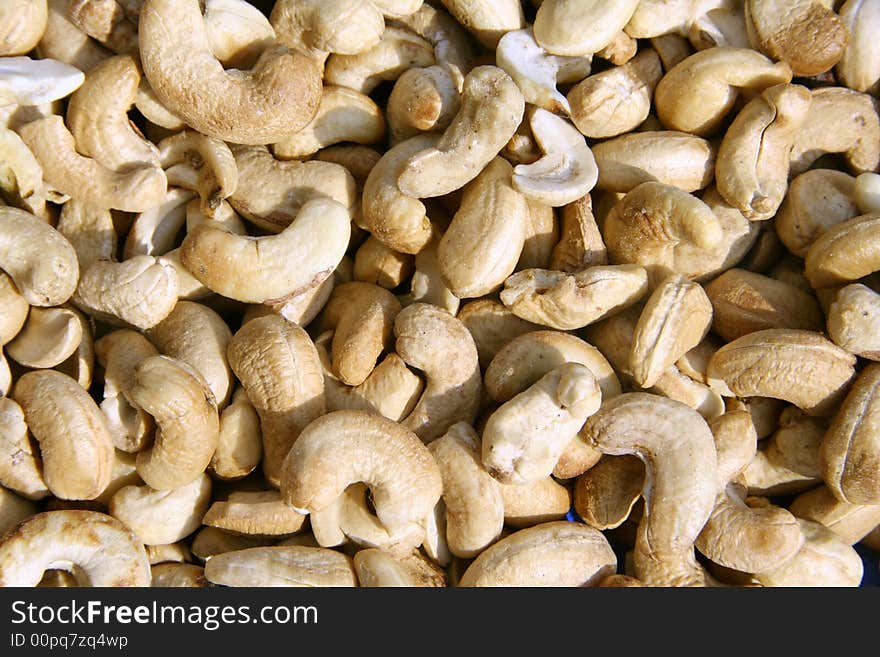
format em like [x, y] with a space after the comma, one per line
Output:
[260, 513]
[47, 339]
[281, 566]
[605, 494]
[487, 20]
[21, 469]
[844, 253]
[859, 65]
[318, 28]
[216, 171]
[580, 27]
[239, 446]
[535, 502]
[22, 24]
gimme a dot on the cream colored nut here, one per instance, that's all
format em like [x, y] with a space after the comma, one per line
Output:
[859, 65]
[853, 320]
[453, 46]
[422, 99]
[536, 71]
[47, 339]
[844, 253]
[824, 560]
[22, 24]
[106, 22]
[247, 268]
[98, 120]
[491, 109]
[542, 236]
[210, 541]
[560, 553]
[487, 20]
[800, 367]
[281, 566]
[239, 446]
[851, 448]
[27, 81]
[815, 201]
[483, 244]
[98, 549]
[13, 510]
[680, 387]
[5, 374]
[279, 368]
[571, 301]
[271, 192]
[123, 473]
[851, 522]
[259, 513]
[278, 96]
[21, 176]
[394, 218]
[534, 503]
[154, 231]
[492, 325]
[377, 568]
[84, 178]
[765, 411]
[660, 227]
[397, 8]
[317, 28]
[751, 170]
[119, 352]
[198, 336]
[566, 171]
[695, 362]
[90, 230]
[744, 302]
[171, 553]
[671, 48]
[617, 100]
[739, 235]
[472, 498]
[13, 309]
[216, 171]
[721, 25]
[380, 265]
[524, 438]
[187, 424]
[176, 575]
[344, 115]
[396, 51]
[843, 121]
[162, 517]
[620, 49]
[300, 309]
[672, 158]
[680, 485]
[696, 94]
[237, 31]
[653, 18]
[65, 42]
[580, 27]
[329, 455]
[75, 443]
[605, 494]
[580, 243]
[148, 104]
[806, 34]
[21, 469]
[362, 317]
[867, 192]
[736, 440]
[676, 317]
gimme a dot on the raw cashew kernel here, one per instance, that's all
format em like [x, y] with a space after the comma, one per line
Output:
[859, 66]
[22, 23]
[535, 502]
[487, 20]
[293, 565]
[319, 27]
[851, 522]
[47, 339]
[845, 253]
[260, 513]
[605, 494]
[240, 445]
[237, 32]
[215, 167]
[580, 27]
[491, 325]
[422, 99]
[376, 567]
[65, 42]
[27, 81]
[106, 22]
[21, 469]
[852, 321]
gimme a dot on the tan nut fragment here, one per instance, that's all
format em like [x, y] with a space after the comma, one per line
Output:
[154, 111]
[272, 267]
[487, 20]
[21, 176]
[317, 27]
[696, 94]
[867, 192]
[724, 24]
[215, 166]
[22, 24]
[492, 107]
[344, 115]
[751, 170]
[580, 27]
[210, 541]
[47, 339]
[21, 469]
[559, 553]
[381, 265]
[492, 325]
[378, 568]
[75, 442]
[106, 22]
[844, 253]
[155, 231]
[678, 450]
[797, 366]
[616, 100]
[605, 494]
[296, 566]
[260, 513]
[676, 317]
[187, 424]
[859, 66]
[65, 42]
[177, 575]
[542, 236]
[851, 522]
[279, 368]
[162, 517]
[84, 178]
[571, 301]
[13, 510]
[580, 243]
[852, 321]
[14, 309]
[239, 446]
[806, 34]
[422, 99]
[534, 503]
[271, 192]
[98, 549]
[840, 120]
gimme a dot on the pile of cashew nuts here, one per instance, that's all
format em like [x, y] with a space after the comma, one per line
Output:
[447, 293]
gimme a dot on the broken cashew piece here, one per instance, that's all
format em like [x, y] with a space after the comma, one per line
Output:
[26, 81]
[254, 513]
[48, 338]
[21, 469]
[216, 172]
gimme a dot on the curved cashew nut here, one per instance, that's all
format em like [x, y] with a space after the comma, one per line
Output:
[48, 338]
[21, 469]
[696, 94]
[187, 424]
[154, 232]
[866, 192]
[280, 370]
[580, 27]
[272, 267]
[453, 47]
[380, 265]
[426, 282]
[560, 553]
[492, 107]
[237, 31]
[800, 367]
[21, 176]
[22, 24]
[422, 99]
[851, 522]
[97, 548]
[318, 27]
[278, 96]
[487, 20]
[433, 341]
[240, 444]
[605, 495]
[678, 449]
[724, 24]
[216, 172]
[346, 447]
[492, 325]
[859, 66]
[294, 565]
[844, 253]
[75, 442]
[260, 513]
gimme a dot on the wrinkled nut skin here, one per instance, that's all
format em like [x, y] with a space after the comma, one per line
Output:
[560, 553]
[280, 95]
[850, 452]
[98, 548]
[75, 444]
[260, 513]
[293, 565]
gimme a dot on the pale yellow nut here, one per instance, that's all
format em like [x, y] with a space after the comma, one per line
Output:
[695, 362]
[844, 253]
[542, 236]
[376, 263]
[210, 541]
[148, 104]
[260, 513]
[47, 339]
[155, 231]
[22, 24]
[281, 566]
[239, 445]
[65, 42]
[237, 31]
[453, 46]
[13, 309]
[653, 18]
[21, 176]
[487, 20]
[534, 503]
[97, 548]
[671, 48]
[722, 24]
[852, 320]
[580, 242]
[580, 27]
[422, 99]
[318, 27]
[867, 191]
[13, 510]
[377, 568]
[491, 325]
[851, 522]
[605, 494]
[20, 468]
[859, 66]
[90, 230]
[106, 22]
[176, 575]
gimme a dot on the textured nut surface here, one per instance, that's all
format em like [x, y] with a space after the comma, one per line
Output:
[281, 566]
